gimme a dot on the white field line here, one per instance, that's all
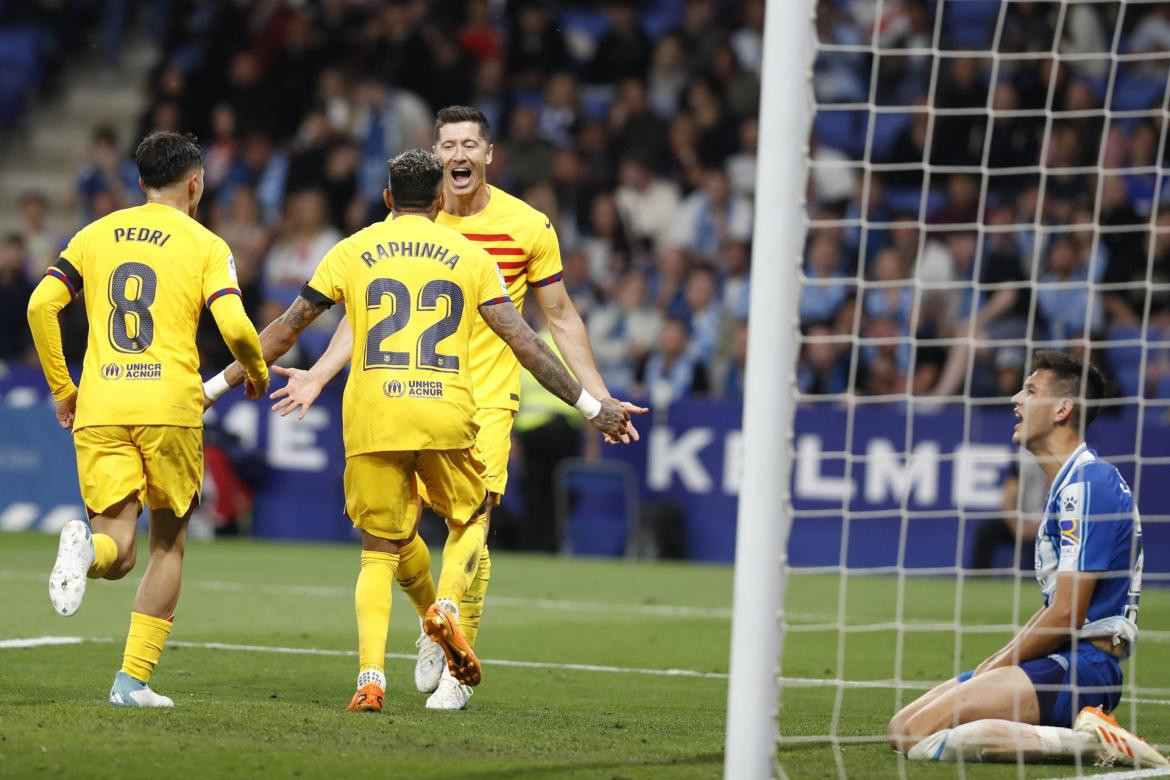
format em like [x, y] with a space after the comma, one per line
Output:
[333, 591]
[1125, 774]
[810, 621]
[58, 640]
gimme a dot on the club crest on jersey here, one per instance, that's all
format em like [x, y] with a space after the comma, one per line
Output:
[1070, 504]
[393, 389]
[1070, 533]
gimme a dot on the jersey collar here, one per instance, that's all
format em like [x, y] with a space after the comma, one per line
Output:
[1058, 483]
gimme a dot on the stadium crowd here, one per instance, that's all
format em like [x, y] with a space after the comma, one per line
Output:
[633, 126]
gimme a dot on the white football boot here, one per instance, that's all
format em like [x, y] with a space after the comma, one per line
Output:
[450, 695]
[429, 666]
[74, 557]
[128, 692]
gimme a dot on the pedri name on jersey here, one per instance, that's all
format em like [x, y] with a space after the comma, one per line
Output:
[144, 234]
[413, 249]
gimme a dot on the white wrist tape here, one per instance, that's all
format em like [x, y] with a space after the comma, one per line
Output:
[587, 405]
[216, 386]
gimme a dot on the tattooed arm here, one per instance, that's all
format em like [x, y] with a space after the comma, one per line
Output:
[543, 364]
[281, 334]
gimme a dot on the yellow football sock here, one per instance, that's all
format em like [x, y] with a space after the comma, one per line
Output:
[144, 644]
[414, 574]
[461, 558]
[105, 552]
[471, 607]
[372, 602]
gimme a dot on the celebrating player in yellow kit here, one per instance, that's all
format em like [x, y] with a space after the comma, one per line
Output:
[412, 289]
[524, 245]
[137, 420]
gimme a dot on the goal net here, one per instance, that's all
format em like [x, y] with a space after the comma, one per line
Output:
[985, 179]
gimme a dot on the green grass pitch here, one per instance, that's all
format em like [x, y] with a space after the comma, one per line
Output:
[584, 706]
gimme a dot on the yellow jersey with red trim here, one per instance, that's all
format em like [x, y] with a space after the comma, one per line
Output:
[411, 290]
[146, 272]
[524, 245]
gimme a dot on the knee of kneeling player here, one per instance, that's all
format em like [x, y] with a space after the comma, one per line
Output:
[901, 735]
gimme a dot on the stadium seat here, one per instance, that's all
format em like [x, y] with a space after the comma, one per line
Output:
[597, 508]
[886, 129]
[970, 24]
[842, 130]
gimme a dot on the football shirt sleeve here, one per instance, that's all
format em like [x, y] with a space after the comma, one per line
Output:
[327, 286]
[219, 273]
[47, 301]
[544, 261]
[490, 288]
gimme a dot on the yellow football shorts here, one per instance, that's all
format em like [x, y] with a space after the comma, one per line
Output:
[380, 489]
[493, 444]
[161, 465]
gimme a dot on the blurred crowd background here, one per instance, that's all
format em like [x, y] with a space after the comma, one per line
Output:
[631, 125]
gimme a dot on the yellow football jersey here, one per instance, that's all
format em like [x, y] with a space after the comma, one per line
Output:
[411, 291]
[524, 245]
[146, 272]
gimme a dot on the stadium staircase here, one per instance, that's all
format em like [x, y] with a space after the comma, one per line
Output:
[49, 145]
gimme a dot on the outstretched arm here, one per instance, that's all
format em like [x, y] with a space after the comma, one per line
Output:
[304, 386]
[275, 340]
[1052, 626]
[536, 356]
[240, 336]
[568, 331]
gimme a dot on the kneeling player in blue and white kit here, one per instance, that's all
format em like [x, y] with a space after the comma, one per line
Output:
[1048, 692]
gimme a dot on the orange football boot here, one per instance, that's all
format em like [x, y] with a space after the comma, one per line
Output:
[444, 631]
[367, 699]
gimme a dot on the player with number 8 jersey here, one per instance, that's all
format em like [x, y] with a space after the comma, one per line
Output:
[145, 274]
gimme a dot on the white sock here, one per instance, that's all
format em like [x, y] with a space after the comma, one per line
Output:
[1001, 740]
[450, 606]
[367, 676]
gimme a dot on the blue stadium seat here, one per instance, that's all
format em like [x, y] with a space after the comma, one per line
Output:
[20, 51]
[1136, 91]
[842, 130]
[886, 129]
[969, 24]
[597, 509]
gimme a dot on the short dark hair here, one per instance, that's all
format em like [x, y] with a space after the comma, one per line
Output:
[415, 178]
[454, 114]
[1068, 374]
[164, 158]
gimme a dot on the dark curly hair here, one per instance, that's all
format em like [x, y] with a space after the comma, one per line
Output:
[415, 178]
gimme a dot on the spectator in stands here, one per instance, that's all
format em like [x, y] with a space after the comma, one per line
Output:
[305, 236]
[741, 166]
[648, 204]
[623, 331]
[667, 279]
[106, 170]
[238, 222]
[15, 289]
[748, 40]
[42, 245]
[671, 372]
[633, 126]
[535, 47]
[713, 215]
[705, 313]
[734, 369]
[1065, 307]
[606, 245]
[668, 76]
[623, 51]
[825, 291]
[824, 363]
[735, 264]
[559, 118]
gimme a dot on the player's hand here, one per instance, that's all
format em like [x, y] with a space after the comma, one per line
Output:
[302, 389]
[612, 419]
[207, 402]
[254, 390]
[67, 411]
[631, 432]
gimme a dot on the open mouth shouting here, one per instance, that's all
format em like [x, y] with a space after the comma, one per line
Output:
[461, 177]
